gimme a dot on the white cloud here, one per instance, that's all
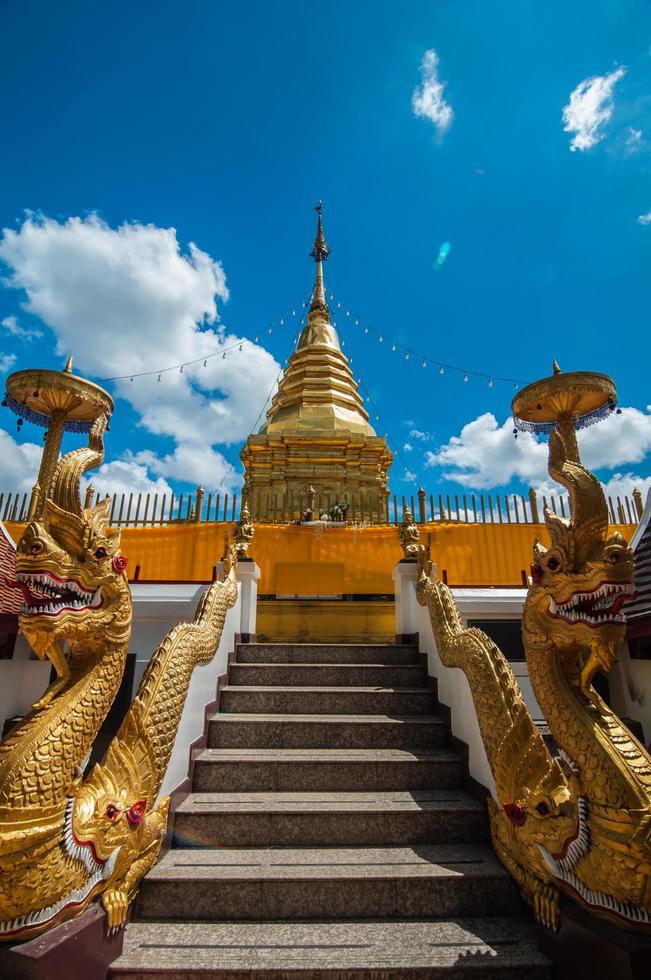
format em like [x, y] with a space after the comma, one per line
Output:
[125, 476]
[7, 361]
[407, 448]
[618, 485]
[20, 463]
[128, 300]
[427, 99]
[590, 108]
[193, 464]
[634, 139]
[644, 219]
[617, 441]
[11, 325]
[485, 454]
[418, 434]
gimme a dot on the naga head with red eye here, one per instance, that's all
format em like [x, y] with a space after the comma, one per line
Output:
[136, 812]
[112, 812]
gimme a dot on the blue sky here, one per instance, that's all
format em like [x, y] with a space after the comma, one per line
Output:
[226, 122]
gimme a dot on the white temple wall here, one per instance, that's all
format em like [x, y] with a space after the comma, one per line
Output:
[23, 679]
[630, 689]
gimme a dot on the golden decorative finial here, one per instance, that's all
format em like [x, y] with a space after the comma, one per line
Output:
[68, 367]
[320, 248]
[319, 253]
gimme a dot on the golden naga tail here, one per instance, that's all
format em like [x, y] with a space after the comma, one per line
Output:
[530, 785]
[116, 810]
[64, 843]
[580, 823]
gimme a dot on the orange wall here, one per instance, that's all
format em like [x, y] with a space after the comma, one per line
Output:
[293, 560]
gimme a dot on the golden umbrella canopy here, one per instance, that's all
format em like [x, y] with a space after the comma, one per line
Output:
[61, 402]
[565, 402]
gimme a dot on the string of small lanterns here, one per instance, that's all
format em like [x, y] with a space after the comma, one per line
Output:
[222, 352]
[425, 359]
[393, 345]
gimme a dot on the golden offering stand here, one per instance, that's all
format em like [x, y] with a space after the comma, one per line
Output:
[565, 402]
[60, 401]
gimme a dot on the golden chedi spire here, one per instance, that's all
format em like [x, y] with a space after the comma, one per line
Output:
[318, 393]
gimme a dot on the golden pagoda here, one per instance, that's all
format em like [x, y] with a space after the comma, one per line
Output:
[317, 432]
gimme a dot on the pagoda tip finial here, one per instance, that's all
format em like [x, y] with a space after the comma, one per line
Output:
[555, 368]
[319, 253]
[320, 250]
[68, 367]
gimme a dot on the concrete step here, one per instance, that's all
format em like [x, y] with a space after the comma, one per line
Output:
[315, 770]
[325, 653]
[249, 731]
[326, 700]
[293, 819]
[490, 947]
[349, 883]
[327, 675]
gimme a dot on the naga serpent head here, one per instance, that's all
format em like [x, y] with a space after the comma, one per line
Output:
[581, 582]
[114, 820]
[68, 563]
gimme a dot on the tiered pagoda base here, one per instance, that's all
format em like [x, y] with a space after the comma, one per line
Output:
[280, 468]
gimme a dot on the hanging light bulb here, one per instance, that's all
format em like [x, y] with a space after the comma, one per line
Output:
[224, 356]
[240, 347]
[490, 382]
[381, 338]
[269, 330]
[131, 379]
[293, 312]
[338, 305]
[205, 363]
[393, 346]
[465, 377]
[331, 297]
[424, 364]
[407, 356]
[365, 329]
[180, 372]
[347, 312]
[158, 378]
[257, 338]
[516, 385]
[282, 322]
[356, 323]
[441, 370]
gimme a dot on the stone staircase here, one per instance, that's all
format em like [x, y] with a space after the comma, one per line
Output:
[327, 834]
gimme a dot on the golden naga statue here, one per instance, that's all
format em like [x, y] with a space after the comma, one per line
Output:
[579, 823]
[66, 840]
